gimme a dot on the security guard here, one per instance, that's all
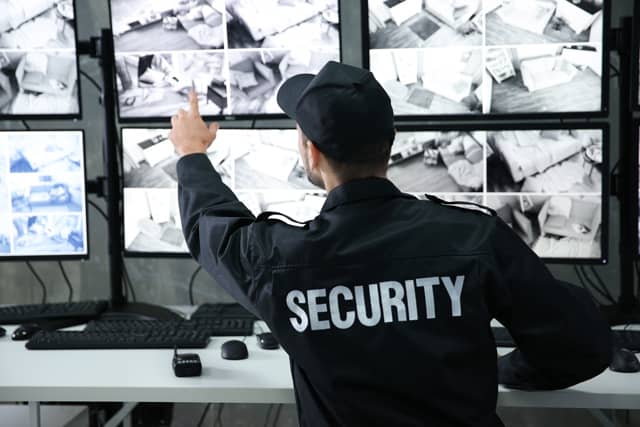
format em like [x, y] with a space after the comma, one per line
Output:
[383, 302]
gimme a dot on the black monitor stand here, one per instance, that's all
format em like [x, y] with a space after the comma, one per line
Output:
[625, 183]
[103, 49]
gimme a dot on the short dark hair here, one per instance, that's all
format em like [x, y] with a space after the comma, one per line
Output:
[372, 158]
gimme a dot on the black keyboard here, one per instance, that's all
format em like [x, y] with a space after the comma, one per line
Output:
[224, 327]
[114, 341]
[217, 311]
[629, 339]
[503, 337]
[17, 314]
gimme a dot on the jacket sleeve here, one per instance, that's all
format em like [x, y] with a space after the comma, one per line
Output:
[562, 338]
[217, 228]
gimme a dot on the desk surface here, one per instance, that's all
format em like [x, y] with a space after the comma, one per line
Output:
[146, 376]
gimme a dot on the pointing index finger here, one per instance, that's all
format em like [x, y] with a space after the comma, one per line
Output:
[193, 101]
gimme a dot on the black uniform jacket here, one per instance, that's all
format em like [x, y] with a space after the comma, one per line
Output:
[384, 302]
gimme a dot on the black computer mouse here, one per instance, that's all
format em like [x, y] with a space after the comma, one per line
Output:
[234, 350]
[3, 332]
[267, 341]
[624, 360]
[24, 332]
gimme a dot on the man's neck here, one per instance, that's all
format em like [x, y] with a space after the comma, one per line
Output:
[333, 182]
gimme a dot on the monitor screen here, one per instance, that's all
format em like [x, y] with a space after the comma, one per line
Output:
[488, 57]
[38, 60]
[234, 53]
[261, 166]
[546, 184]
[42, 195]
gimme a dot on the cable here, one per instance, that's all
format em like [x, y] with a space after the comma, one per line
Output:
[35, 274]
[601, 282]
[128, 281]
[67, 281]
[592, 285]
[584, 286]
[98, 209]
[218, 420]
[266, 419]
[192, 282]
[277, 417]
[92, 80]
[204, 415]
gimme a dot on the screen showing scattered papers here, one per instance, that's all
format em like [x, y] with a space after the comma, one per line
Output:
[234, 53]
[263, 168]
[42, 194]
[480, 57]
[38, 62]
[546, 184]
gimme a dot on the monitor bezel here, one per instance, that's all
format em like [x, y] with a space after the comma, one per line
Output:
[49, 116]
[133, 121]
[634, 175]
[69, 257]
[606, 193]
[171, 255]
[635, 58]
[605, 99]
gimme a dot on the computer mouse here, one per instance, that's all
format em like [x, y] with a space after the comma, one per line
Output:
[234, 350]
[24, 332]
[3, 332]
[624, 360]
[267, 341]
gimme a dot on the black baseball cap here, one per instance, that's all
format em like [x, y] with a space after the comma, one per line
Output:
[342, 109]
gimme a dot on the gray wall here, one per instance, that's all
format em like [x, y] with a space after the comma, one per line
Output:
[164, 281]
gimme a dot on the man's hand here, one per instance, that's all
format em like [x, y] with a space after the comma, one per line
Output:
[190, 135]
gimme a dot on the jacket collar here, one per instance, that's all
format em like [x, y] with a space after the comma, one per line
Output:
[360, 190]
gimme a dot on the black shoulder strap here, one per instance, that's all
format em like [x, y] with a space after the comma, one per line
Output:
[265, 216]
[461, 205]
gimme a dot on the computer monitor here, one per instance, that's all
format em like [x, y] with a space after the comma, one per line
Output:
[38, 60]
[42, 195]
[262, 166]
[548, 183]
[234, 53]
[636, 57]
[465, 58]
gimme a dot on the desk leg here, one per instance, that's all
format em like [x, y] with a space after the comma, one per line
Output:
[34, 414]
[122, 415]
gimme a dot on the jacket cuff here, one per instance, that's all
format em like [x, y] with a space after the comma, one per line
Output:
[192, 165]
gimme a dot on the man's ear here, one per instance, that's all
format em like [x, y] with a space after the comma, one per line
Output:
[314, 155]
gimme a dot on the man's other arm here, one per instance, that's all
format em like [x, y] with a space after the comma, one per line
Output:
[562, 338]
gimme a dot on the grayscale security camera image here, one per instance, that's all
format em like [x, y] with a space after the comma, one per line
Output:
[234, 53]
[469, 57]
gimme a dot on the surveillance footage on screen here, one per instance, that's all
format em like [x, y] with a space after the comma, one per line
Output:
[235, 53]
[38, 65]
[465, 57]
[546, 184]
[261, 165]
[42, 194]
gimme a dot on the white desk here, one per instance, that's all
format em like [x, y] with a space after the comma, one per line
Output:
[146, 376]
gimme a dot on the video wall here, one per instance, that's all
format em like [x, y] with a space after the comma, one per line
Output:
[38, 62]
[546, 184]
[234, 53]
[488, 57]
[42, 194]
